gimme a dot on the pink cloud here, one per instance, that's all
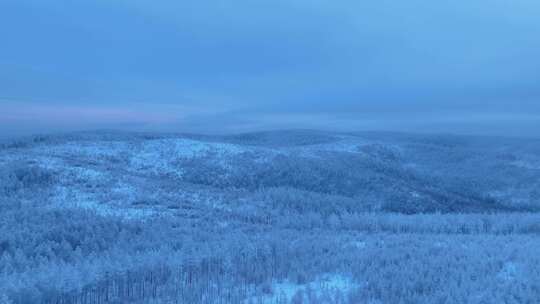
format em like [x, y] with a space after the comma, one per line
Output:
[66, 115]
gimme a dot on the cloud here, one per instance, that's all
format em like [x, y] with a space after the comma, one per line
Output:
[269, 63]
[38, 115]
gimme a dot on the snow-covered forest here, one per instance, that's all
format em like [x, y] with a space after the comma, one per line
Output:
[269, 217]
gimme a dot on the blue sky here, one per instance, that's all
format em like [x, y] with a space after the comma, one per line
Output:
[231, 66]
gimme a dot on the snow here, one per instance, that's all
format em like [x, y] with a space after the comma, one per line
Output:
[312, 151]
[67, 197]
[159, 156]
[509, 272]
[359, 244]
[439, 244]
[125, 191]
[282, 292]
[415, 194]
[50, 162]
[532, 165]
[86, 174]
[341, 146]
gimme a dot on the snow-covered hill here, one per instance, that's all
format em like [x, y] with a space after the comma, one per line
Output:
[133, 175]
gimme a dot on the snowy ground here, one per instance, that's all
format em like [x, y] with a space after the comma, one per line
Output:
[326, 288]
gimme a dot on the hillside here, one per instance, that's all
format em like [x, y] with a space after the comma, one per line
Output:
[143, 174]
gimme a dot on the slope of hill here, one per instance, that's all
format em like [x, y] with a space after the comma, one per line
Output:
[372, 172]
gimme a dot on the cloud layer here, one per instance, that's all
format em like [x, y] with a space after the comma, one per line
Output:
[458, 66]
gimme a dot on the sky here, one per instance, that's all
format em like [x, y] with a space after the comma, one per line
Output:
[217, 66]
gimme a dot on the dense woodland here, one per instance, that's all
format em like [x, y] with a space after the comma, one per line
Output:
[166, 218]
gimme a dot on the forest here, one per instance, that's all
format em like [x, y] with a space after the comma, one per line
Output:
[295, 216]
